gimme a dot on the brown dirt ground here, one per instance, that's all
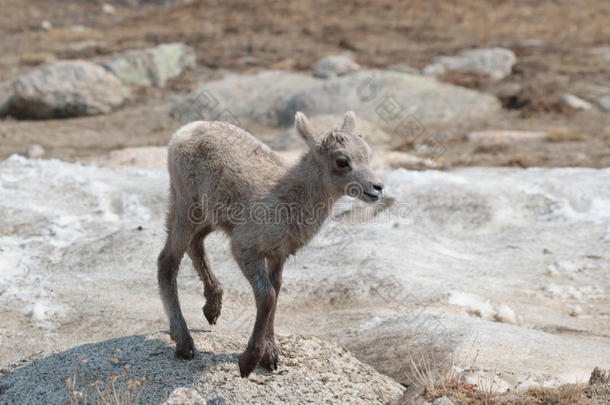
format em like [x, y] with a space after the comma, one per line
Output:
[249, 36]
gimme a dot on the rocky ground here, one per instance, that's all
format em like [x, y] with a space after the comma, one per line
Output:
[496, 274]
[469, 280]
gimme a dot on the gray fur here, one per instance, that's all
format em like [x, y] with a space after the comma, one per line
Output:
[221, 177]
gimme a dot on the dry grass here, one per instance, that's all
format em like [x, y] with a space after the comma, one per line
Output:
[448, 383]
[565, 135]
[116, 390]
[462, 393]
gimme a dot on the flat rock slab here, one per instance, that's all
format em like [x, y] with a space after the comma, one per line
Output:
[310, 371]
[66, 89]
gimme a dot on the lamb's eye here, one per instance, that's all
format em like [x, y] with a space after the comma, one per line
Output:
[342, 162]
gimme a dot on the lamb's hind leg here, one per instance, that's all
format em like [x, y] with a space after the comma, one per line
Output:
[178, 237]
[211, 285]
[252, 265]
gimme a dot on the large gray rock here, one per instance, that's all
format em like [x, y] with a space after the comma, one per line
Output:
[66, 89]
[335, 65]
[311, 371]
[399, 101]
[243, 99]
[495, 62]
[152, 66]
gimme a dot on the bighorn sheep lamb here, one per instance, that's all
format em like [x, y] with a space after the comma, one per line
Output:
[221, 177]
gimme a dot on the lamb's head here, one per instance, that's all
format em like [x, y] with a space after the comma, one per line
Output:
[344, 157]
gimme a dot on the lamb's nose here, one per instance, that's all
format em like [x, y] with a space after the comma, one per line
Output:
[378, 187]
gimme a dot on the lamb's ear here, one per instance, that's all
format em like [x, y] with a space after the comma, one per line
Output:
[307, 132]
[349, 122]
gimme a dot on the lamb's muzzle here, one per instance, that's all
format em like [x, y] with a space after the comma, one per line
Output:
[215, 167]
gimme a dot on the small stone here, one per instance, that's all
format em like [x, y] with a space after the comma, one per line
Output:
[335, 65]
[46, 25]
[601, 52]
[552, 270]
[506, 315]
[576, 103]
[575, 310]
[604, 103]
[534, 43]
[495, 62]
[442, 401]
[108, 8]
[34, 151]
[434, 69]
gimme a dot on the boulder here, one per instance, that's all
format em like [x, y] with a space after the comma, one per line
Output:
[311, 371]
[401, 102]
[152, 66]
[243, 99]
[494, 62]
[66, 89]
[335, 65]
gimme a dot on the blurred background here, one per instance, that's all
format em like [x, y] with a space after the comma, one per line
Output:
[546, 62]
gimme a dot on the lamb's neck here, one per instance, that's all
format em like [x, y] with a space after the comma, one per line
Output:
[303, 190]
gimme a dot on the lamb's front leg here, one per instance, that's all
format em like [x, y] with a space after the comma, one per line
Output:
[275, 266]
[252, 265]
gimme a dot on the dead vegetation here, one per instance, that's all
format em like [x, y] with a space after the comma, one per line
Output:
[118, 389]
[564, 135]
[430, 379]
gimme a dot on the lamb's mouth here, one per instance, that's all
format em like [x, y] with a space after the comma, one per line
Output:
[370, 197]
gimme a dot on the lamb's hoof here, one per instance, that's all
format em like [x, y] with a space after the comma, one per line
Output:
[185, 349]
[248, 361]
[211, 310]
[270, 355]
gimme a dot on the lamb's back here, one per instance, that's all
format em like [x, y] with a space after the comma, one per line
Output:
[221, 162]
